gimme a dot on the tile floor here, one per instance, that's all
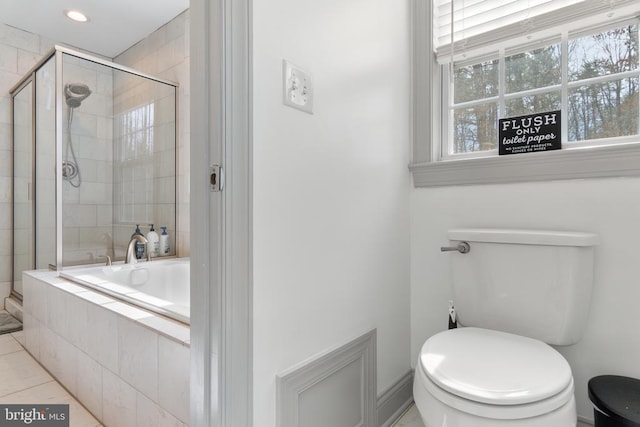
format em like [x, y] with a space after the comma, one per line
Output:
[411, 418]
[23, 380]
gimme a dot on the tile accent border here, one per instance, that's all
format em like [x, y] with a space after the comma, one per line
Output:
[325, 387]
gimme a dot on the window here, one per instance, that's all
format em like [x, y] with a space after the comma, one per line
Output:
[504, 59]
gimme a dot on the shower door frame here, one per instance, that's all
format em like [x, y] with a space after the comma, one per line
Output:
[58, 51]
[15, 90]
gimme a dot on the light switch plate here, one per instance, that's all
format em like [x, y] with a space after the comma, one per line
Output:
[298, 87]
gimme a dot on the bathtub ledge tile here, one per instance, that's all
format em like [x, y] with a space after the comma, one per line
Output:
[95, 297]
[127, 311]
[68, 286]
[168, 328]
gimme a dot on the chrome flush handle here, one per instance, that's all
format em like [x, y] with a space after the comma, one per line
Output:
[462, 247]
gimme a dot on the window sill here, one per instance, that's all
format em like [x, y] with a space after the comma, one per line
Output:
[572, 163]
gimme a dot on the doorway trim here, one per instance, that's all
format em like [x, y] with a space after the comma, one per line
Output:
[221, 222]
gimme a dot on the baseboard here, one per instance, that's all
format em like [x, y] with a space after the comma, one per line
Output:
[13, 307]
[584, 422]
[395, 400]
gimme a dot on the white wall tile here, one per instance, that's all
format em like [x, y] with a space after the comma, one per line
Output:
[138, 357]
[165, 53]
[34, 298]
[31, 327]
[150, 414]
[89, 388]
[5, 290]
[26, 61]
[118, 401]
[57, 311]
[59, 357]
[173, 380]
[102, 339]
[19, 38]
[8, 58]
[79, 328]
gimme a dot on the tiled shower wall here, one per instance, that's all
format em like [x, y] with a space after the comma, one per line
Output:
[165, 53]
[86, 210]
[19, 51]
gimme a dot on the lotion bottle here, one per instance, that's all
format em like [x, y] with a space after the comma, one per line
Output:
[153, 247]
[164, 242]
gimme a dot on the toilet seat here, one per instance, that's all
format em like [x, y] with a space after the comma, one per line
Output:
[494, 374]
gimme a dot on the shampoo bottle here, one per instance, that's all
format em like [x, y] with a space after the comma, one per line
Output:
[153, 247]
[139, 246]
[164, 242]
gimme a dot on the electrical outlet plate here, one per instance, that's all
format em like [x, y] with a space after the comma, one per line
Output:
[297, 87]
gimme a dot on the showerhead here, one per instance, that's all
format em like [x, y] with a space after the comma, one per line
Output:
[75, 93]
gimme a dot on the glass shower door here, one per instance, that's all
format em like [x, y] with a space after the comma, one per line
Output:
[23, 186]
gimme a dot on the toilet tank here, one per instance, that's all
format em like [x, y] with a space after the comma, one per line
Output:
[527, 282]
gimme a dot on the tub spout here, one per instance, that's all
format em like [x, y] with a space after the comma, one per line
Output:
[130, 255]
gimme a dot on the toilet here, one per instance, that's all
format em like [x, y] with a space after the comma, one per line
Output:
[516, 293]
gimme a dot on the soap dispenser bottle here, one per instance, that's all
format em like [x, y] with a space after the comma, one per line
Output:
[164, 242]
[139, 246]
[153, 245]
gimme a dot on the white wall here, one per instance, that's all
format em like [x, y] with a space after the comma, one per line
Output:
[608, 207]
[331, 189]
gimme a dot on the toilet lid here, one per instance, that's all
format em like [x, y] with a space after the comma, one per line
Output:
[494, 367]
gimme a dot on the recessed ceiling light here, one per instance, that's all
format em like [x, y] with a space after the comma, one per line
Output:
[75, 15]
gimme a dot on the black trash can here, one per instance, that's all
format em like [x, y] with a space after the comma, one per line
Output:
[616, 400]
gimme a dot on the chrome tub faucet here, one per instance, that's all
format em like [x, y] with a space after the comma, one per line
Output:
[130, 255]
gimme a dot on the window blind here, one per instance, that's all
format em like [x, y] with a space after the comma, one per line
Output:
[479, 23]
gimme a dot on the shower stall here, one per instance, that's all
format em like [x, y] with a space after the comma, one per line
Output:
[94, 154]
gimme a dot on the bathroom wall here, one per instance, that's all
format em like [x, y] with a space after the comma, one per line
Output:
[19, 51]
[165, 54]
[608, 207]
[330, 190]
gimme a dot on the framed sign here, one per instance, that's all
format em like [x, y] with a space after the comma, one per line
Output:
[528, 134]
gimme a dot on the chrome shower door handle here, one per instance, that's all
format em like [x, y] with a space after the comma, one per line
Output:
[462, 247]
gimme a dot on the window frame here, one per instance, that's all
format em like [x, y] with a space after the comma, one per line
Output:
[429, 170]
